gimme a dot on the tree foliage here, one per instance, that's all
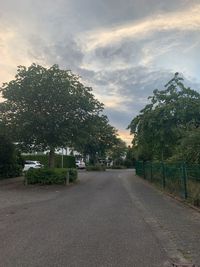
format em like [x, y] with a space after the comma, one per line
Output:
[130, 157]
[97, 137]
[118, 152]
[46, 108]
[161, 125]
[188, 149]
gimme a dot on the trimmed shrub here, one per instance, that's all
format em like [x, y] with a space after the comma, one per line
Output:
[50, 176]
[10, 163]
[68, 161]
[95, 168]
[10, 171]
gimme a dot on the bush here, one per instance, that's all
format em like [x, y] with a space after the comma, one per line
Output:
[50, 176]
[194, 192]
[118, 162]
[10, 164]
[129, 163]
[95, 168]
[68, 161]
[10, 170]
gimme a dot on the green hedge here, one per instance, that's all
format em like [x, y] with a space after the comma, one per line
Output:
[10, 170]
[95, 168]
[68, 161]
[50, 176]
[11, 164]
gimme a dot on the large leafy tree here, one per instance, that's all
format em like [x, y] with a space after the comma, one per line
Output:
[44, 108]
[97, 137]
[160, 125]
[118, 152]
[130, 157]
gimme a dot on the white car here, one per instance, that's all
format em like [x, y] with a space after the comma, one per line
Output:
[32, 164]
[80, 164]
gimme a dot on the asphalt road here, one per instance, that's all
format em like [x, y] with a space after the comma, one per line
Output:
[107, 219]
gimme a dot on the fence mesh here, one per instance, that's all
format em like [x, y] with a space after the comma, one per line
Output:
[180, 179]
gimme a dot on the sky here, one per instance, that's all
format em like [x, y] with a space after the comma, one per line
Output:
[124, 49]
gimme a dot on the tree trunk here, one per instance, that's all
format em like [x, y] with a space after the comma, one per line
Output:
[52, 157]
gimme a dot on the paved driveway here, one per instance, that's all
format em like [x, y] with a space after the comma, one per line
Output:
[108, 219]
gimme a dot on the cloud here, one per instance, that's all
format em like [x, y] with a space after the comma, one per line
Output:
[66, 53]
[123, 49]
[188, 19]
[125, 92]
[131, 82]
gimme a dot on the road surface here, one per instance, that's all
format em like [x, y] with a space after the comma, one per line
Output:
[110, 218]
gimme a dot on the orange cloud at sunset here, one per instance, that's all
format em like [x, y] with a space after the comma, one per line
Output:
[125, 135]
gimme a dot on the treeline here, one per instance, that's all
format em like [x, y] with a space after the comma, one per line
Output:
[168, 128]
[49, 108]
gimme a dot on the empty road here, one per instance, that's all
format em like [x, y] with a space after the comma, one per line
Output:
[110, 218]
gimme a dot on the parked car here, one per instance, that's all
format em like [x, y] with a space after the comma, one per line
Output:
[80, 164]
[32, 164]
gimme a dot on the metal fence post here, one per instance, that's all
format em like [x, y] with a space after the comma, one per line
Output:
[184, 177]
[67, 178]
[163, 175]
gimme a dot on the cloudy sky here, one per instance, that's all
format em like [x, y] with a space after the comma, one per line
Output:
[124, 49]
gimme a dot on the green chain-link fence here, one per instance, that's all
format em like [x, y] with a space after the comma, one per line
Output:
[178, 178]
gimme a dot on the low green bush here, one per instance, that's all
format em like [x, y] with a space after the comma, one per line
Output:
[11, 164]
[10, 170]
[50, 176]
[194, 192]
[95, 168]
